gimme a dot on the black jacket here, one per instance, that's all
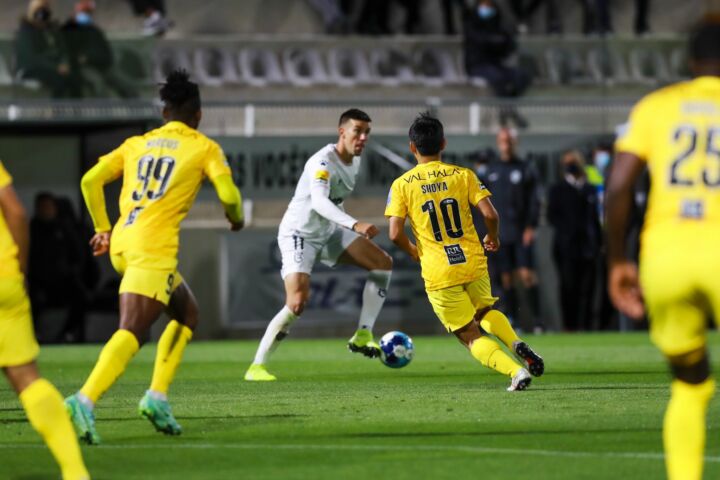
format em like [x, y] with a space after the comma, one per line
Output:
[485, 41]
[573, 213]
[514, 188]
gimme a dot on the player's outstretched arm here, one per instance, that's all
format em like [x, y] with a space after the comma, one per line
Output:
[623, 281]
[230, 197]
[492, 223]
[92, 184]
[16, 221]
[399, 237]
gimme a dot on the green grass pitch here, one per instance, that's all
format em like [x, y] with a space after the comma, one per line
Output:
[595, 414]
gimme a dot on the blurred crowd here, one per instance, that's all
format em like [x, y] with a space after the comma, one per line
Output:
[573, 208]
[73, 58]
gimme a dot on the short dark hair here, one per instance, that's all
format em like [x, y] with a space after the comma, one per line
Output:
[427, 133]
[705, 42]
[180, 96]
[353, 114]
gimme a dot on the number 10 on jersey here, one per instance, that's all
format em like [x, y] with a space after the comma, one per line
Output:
[450, 211]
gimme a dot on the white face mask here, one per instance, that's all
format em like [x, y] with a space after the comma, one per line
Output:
[602, 159]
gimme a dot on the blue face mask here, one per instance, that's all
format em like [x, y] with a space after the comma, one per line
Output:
[602, 160]
[485, 12]
[83, 18]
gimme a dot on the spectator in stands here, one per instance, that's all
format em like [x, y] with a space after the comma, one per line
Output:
[55, 269]
[524, 10]
[91, 54]
[375, 18]
[597, 17]
[156, 22]
[334, 19]
[448, 9]
[487, 48]
[573, 213]
[514, 186]
[42, 54]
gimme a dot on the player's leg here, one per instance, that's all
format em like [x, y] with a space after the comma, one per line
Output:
[297, 293]
[183, 311]
[496, 323]
[41, 401]
[137, 314]
[456, 310]
[44, 408]
[678, 320]
[364, 253]
[529, 280]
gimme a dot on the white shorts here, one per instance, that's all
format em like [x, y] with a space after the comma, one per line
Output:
[299, 255]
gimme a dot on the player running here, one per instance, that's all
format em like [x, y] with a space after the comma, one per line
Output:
[162, 172]
[675, 133]
[436, 197]
[315, 226]
[18, 348]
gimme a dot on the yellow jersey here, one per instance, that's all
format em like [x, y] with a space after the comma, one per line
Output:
[162, 173]
[437, 198]
[9, 265]
[676, 130]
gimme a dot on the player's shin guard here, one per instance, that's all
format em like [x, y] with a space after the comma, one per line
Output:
[374, 295]
[496, 323]
[488, 352]
[114, 358]
[170, 349]
[276, 330]
[684, 429]
[46, 412]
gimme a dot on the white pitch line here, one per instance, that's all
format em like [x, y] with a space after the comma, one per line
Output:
[380, 448]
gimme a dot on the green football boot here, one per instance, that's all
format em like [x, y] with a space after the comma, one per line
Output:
[362, 342]
[160, 415]
[258, 373]
[83, 419]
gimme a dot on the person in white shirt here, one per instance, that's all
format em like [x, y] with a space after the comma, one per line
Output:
[315, 226]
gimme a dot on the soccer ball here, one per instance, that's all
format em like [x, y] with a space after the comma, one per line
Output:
[396, 349]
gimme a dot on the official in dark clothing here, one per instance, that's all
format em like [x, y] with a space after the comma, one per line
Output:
[513, 184]
[42, 54]
[573, 214]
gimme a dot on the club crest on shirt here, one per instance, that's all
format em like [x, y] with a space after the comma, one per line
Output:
[515, 177]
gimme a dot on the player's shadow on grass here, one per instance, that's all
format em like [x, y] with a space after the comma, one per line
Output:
[498, 433]
[206, 417]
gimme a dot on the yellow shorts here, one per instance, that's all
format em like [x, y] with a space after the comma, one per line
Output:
[153, 277]
[681, 288]
[17, 337]
[456, 306]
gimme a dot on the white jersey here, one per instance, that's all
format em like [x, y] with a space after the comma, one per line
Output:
[316, 209]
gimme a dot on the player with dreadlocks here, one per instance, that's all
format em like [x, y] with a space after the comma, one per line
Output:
[162, 172]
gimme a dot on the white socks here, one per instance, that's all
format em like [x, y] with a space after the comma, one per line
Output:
[374, 295]
[278, 327]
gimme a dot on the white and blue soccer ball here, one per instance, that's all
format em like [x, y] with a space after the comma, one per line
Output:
[396, 349]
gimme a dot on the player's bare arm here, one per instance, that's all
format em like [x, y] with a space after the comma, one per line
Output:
[623, 279]
[16, 220]
[367, 230]
[399, 237]
[491, 242]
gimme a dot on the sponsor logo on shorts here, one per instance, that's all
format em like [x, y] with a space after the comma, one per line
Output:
[455, 254]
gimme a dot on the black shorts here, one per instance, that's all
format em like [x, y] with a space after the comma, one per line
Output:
[512, 256]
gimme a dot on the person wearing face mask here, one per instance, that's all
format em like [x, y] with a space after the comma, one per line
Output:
[42, 54]
[572, 212]
[91, 54]
[487, 48]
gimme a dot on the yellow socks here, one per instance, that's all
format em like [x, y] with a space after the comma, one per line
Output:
[684, 429]
[46, 412]
[169, 354]
[496, 323]
[489, 353]
[113, 360]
